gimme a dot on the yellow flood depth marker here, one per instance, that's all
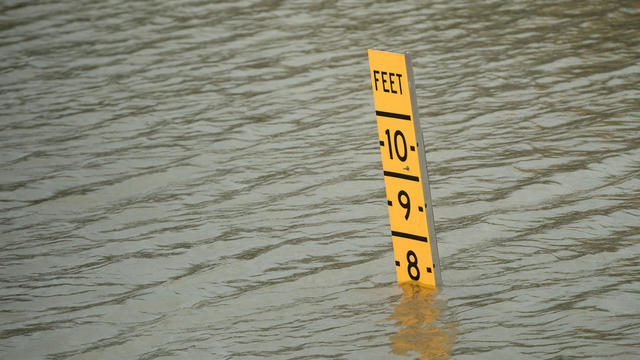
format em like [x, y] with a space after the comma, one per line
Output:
[405, 169]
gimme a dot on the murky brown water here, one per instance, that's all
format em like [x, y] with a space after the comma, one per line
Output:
[203, 180]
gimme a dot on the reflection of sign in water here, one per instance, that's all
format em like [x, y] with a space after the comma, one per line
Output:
[405, 169]
[419, 329]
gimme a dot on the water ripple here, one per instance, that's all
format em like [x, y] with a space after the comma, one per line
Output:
[202, 180]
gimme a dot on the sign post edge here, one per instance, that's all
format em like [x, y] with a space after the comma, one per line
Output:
[424, 173]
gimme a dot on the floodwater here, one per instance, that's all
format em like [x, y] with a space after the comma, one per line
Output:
[202, 180]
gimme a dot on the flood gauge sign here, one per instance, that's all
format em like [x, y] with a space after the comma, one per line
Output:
[405, 169]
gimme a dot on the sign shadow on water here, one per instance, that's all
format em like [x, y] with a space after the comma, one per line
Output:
[419, 327]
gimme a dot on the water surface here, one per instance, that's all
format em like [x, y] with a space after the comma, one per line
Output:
[203, 180]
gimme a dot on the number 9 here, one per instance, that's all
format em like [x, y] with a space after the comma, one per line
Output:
[405, 204]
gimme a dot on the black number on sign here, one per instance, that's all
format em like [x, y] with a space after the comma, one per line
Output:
[405, 204]
[396, 135]
[413, 264]
[389, 143]
[399, 133]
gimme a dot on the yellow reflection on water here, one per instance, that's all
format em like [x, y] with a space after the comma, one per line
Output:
[419, 332]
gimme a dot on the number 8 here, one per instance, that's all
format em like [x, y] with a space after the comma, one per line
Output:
[413, 264]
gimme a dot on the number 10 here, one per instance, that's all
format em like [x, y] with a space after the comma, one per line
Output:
[396, 135]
